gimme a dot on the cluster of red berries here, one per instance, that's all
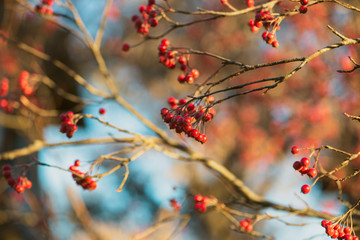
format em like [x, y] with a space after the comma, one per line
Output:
[81, 178]
[246, 225]
[169, 58]
[24, 83]
[175, 205]
[147, 19]
[200, 203]
[4, 87]
[186, 116]
[265, 19]
[336, 231]
[4, 90]
[302, 167]
[45, 7]
[303, 9]
[20, 185]
[250, 3]
[67, 124]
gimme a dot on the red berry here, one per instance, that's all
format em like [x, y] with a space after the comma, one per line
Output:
[303, 9]
[355, 238]
[244, 223]
[297, 166]
[181, 78]
[195, 73]
[165, 42]
[102, 111]
[304, 2]
[249, 228]
[224, 1]
[312, 172]
[172, 101]
[27, 184]
[11, 181]
[305, 189]
[295, 150]
[7, 174]
[275, 44]
[164, 111]
[198, 198]
[6, 167]
[19, 188]
[348, 237]
[347, 230]
[324, 222]
[125, 47]
[194, 133]
[182, 60]
[305, 161]
[77, 163]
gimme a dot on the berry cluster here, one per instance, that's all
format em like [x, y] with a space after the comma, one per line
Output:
[24, 83]
[81, 178]
[4, 87]
[20, 185]
[169, 59]
[302, 167]
[201, 203]
[147, 19]
[265, 19]
[246, 225]
[68, 125]
[45, 7]
[337, 231]
[303, 9]
[186, 117]
[4, 90]
[175, 205]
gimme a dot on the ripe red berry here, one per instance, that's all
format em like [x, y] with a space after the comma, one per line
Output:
[249, 228]
[303, 9]
[312, 172]
[347, 230]
[198, 198]
[165, 42]
[6, 167]
[275, 44]
[305, 189]
[7, 174]
[125, 47]
[77, 163]
[304, 2]
[297, 166]
[295, 150]
[305, 161]
[324, 222]
[195, 73]
[194, 133]
[224, 1]
[102, 111]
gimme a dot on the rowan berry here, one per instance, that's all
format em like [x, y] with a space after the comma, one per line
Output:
[303, 9]
[102, 111]
[304, 2]
[125, 47]
[312, 172]
[305, 189]
[305, 161]
[295, 150]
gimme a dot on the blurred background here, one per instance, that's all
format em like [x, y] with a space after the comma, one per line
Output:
[251, 135]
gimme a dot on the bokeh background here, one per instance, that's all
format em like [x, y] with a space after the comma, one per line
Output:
[251, 135]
